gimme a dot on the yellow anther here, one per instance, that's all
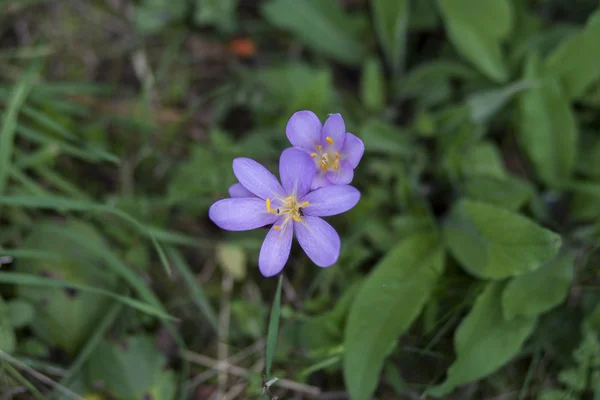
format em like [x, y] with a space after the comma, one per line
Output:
[319, 147]
[276, 227]
[269, 206]
[288, 198]
[329, 139]
[324, 166]
[336, 165]
[296, 218]
[304, 204]
[313, 155]
[337, 155]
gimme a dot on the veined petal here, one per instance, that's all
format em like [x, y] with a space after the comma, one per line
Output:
[342, 177]
[256, 178]
[319, 240]
[304, 130]
[335, 130]
[238, 190]
[275, 250]
[297, 170]
[240, 214]
[330, 200]
[353, 149]
[320, 180]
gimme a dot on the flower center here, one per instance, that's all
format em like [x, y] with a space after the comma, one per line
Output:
[327, 159]
[290, 208]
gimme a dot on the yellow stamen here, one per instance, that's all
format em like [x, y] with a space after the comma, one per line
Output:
[304, 204]
[288, 198]
[319, 147]
[329, 139]
[337, 155]
[276, 227]
[313, 155]
[269, 207]
[324, 166]
[296, 218]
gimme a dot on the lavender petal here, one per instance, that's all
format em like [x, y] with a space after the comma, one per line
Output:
[335, 129]
[238, 190]
[320, 180]
[297, 170]
[319, 240]
[330, 200]
[304, 130]
[256, 178]
[240, 214]
[275, 250]
[353, 149]
[343, 176]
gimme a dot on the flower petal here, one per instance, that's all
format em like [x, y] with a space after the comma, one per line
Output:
[257, 178]
[319, 240]
[342, 177]
[238, 190]
[330, 200]
[275, 250]
[240, 214]
[304, 130]
[297, 170]
[353, 149]
[335, 129]
[320, 180]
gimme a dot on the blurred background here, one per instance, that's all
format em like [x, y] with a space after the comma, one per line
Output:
[120, 121]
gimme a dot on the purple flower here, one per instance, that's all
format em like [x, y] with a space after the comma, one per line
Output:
[260, 200]
[335, 152]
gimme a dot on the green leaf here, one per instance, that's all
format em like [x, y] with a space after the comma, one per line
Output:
[153, 15]
[20, 312]
[386, 305]
[221, 13]
[130, 369]
[484, 341]
[391, 23]
[372, 86]
[508, 192]
[532, 294]
[485, 105]
[576, 61]
[321, 25]
[547, 127]
[483, 159]
[494, 243]
[8, 339]
[477, 29]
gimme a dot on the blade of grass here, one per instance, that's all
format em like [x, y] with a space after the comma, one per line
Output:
[16, 278]
[28, 184]
[195, 289]
[273, 329]
[47, 122]
[12, 371]
[28, 254]
[9, 120]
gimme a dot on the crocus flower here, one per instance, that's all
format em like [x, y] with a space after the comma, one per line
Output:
[259, 199]
[335, 152]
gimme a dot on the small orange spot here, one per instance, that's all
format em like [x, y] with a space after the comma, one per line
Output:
[329, 139]
[337, 155]
[276, 227]
[242, 47]
[319, 147]
[323, 166]
[313, 155]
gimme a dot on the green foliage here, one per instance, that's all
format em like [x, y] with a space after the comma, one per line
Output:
[495, 243]
[391, 23]
[484, 341]
[398, 288]
[220, 13]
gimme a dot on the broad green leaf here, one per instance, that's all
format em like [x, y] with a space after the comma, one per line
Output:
[494, 243]
[130, 369]
[483, 159]
[576, 61]
[508, 192]
[221, 13]
[391, 23]
[372, 86]
[379, 136]
[66, 318]
[484, 341]
[153, 15]
[386, 305]
[547, 127]
[20, 312]
[477, 30]
[322, 25]
[586, 200]
[532, 294]
[485, 105]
